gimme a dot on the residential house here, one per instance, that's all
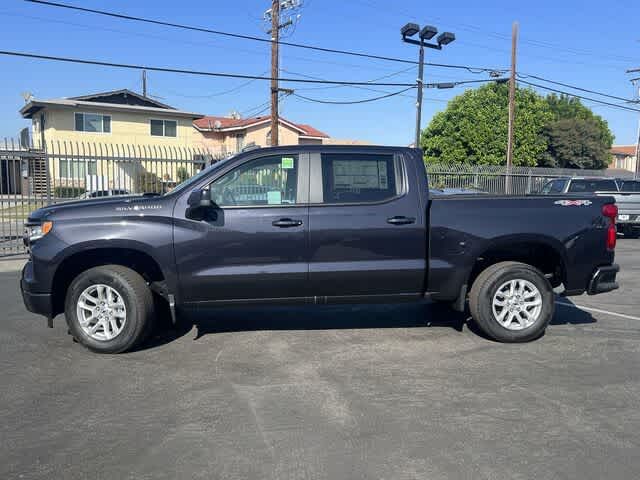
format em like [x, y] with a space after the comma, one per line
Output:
[119, 123]
[624, 157]
[232, 134]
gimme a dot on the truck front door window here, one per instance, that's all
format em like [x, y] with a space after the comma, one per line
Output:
[266, 181]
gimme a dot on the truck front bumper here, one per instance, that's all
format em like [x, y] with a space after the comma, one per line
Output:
[35, 302]
[604, 280]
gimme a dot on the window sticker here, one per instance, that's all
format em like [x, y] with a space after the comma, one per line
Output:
[287, 163]
[274, 197]
[357, 174]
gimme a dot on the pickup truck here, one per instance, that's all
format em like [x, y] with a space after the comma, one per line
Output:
[628, 203]
[314, 224]
[626, 193]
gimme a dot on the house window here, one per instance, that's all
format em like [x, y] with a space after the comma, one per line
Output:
[268, 140]
[164, 128]
[239, 138]
[77, 169]
[93, 122]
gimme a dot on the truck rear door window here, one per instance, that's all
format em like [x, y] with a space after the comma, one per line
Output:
[358, 178]
[590, 186]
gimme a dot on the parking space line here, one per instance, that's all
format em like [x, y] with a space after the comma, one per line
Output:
[597, 310]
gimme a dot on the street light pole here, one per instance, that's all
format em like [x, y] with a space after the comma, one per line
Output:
[426, 33]
[419, 100]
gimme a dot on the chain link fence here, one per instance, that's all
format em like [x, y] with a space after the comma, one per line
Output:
[498, 179]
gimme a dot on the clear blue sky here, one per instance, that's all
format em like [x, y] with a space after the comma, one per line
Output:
[587, 43]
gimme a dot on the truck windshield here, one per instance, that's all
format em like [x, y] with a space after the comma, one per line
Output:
[190, 181]
[630, 186]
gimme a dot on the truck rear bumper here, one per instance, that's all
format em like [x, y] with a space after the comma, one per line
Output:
[603, 280]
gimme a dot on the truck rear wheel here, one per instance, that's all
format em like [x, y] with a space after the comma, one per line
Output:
[512, 302]
[109, 309]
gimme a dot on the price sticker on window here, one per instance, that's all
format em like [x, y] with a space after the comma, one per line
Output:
[287, 163]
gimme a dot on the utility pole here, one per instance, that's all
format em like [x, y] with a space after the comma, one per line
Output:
[512, 106]
[636, 173]
[635, 82]
[275, 38]
[144, 83]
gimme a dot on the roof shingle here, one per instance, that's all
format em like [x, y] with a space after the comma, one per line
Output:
[208, 123]
[628, 150]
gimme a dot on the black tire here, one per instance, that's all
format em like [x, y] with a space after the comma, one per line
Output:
[137, 299]
[484, 289]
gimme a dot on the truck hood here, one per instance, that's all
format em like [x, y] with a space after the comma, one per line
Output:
[93, 206]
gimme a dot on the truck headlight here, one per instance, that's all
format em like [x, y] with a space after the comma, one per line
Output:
[36, 232]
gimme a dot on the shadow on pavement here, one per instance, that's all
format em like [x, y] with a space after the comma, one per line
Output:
[569, 314]
[312, 317]
[330, 317]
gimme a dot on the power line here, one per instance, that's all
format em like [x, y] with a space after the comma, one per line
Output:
[573, 87]
[398, 12]
[602, 102]
[263, 107]
[218, 94]
[251, 37]
[215, 32]
[352, 86]
[187, 42]
[191, 72]
[463, 82]
[352, 102]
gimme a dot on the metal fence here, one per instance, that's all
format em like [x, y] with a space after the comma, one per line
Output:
[33, 178]
[499, 180]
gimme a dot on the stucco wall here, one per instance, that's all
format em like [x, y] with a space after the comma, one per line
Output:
[226, 141]
[126, 128]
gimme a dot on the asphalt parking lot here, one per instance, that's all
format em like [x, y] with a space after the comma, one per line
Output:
[381, 392]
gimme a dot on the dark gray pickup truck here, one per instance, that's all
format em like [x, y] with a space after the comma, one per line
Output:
[314, 225]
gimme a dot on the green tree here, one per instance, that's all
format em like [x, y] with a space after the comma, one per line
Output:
[473, 128]
[590, 135]
[182, 174]
[576, 143]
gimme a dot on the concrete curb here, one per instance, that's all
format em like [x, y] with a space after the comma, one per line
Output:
[12, 264]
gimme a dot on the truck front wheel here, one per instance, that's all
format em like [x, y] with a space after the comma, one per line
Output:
[512, 302]
[109, 308]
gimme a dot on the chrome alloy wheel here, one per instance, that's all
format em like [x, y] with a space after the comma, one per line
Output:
[517, 304]
[101, 312]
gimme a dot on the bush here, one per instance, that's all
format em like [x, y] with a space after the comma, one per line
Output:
[68, 192]
[182, 174]
[148, 182]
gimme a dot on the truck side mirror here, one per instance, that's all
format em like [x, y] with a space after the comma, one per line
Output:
[200, 205]
[200, 198]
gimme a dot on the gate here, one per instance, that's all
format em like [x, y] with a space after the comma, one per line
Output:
[32, 178]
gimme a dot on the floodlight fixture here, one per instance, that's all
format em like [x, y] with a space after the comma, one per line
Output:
[446, 38]
[410, 29]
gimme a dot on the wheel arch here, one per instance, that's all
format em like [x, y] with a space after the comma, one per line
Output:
[78, 261]
[544, 253]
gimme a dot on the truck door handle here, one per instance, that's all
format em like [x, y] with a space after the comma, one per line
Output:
[397, 220]
[286, 223]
